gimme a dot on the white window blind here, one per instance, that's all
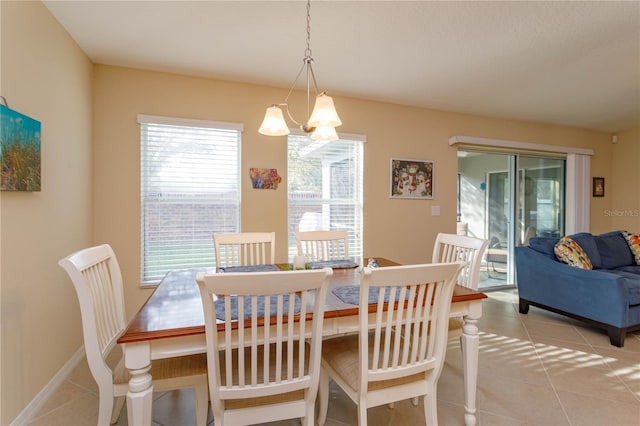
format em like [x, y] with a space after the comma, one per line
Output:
[190, 189]
[325, 188]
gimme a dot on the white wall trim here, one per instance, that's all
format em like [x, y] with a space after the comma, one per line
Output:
[29, 412]
[502, 143]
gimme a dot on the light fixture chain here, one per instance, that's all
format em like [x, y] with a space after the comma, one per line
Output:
[308, 51]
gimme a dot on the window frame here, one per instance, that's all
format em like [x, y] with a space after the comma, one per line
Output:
[208, 136]
[355, 235]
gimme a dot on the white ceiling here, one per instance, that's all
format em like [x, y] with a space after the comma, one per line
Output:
[568, 63]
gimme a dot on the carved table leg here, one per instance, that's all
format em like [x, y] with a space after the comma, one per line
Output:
[140, 395]
[470, 348]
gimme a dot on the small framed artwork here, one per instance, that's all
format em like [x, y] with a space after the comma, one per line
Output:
[264, 178]
[598, 187]
[20, 143]
[411, 179]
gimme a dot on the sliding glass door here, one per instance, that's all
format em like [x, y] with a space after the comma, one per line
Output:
[541, 198]
[507, 198]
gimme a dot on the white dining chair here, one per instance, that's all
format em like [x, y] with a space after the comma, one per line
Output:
[264, 373]
[470, 250]
[97, 279]
[245, 248]
[399, 351]
[323, 245]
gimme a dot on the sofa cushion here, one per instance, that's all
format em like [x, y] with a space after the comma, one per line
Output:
[614, 250]
[634, 244]
[588, 244]
[570, 252]
[544, 245]
[634, 269]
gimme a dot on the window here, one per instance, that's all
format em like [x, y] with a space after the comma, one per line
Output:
[325, 188]
[190, 189]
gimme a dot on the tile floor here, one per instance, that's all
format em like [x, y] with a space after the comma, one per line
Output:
[535, 369]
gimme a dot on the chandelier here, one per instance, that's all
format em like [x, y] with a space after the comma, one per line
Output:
[321, 123]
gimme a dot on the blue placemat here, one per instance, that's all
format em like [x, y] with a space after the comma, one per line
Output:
[351, 294]
[249, 268]
[336, 264]
[273, 306]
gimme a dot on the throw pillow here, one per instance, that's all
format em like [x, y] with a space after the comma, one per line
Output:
[614, 250]
[570, 252]
[587, 242]
[634, 244]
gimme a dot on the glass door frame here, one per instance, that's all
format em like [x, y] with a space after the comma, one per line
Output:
[523, 201]
[511, 213]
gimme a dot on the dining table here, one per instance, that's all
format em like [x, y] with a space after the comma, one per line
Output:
[171, 324]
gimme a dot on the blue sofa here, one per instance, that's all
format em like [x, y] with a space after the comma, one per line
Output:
[608, 296]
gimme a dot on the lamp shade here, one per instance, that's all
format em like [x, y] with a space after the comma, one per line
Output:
[273, 123]
[325, 134]
[324, 113]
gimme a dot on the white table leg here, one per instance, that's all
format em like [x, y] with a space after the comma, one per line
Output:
[470, 348]
[140, 395]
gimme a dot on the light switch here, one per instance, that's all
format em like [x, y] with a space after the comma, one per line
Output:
[435, 210]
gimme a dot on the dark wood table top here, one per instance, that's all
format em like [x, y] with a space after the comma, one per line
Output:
[174, 309]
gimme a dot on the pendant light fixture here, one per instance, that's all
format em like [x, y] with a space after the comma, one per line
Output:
[321, 123]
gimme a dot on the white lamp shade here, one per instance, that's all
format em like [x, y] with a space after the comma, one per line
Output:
[324, 113]
[273, 123]
[325, 134]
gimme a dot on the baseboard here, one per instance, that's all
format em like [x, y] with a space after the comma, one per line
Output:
[29, 412]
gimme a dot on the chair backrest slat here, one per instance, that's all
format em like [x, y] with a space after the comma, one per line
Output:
[265, 331]
[407, 334]
[323, 245]
[470, 250]
[245, 248]
[97, 279]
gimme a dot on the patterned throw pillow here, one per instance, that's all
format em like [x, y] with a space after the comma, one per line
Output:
[570, 252]
[634, 244]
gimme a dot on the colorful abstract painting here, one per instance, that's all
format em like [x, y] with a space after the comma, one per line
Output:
[20, 141]
[264, 178]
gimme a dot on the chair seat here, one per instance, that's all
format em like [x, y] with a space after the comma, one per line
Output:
[236, 404]
[169, 368]
[341, 354]
[191, 365]
[455, 327]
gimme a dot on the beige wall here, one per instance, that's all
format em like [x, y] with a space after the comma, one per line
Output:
[624, 185]
[45, 76]
[403, 230]
[90, 190]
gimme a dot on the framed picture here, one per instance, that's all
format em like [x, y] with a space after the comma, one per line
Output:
[20, 143]
[264, 178]
[598, 187]
[411, 179]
